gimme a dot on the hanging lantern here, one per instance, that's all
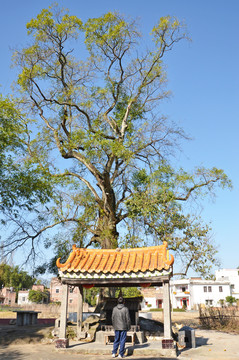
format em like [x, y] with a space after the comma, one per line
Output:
[145, 285]
[88, 286]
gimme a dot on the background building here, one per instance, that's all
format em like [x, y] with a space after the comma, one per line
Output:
[56, 292]
[152, 298]
[7, 296]
[23, 298]
[231, 275]
[23, 295]
[190, 293]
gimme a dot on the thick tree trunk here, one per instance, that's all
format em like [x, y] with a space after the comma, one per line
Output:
[107, 232]
[107, 220]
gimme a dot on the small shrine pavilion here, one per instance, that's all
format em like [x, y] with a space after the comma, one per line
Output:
[147, 266]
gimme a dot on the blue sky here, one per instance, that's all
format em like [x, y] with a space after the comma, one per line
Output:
[203, 76]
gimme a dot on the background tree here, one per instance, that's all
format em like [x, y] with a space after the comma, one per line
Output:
[90, 295]
[38, 296]
[128, 292]
[12, 276]
[101, 139]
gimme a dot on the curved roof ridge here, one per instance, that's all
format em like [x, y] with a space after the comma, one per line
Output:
[96, 260]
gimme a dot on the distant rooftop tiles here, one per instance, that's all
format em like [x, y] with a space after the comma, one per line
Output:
[117, 261]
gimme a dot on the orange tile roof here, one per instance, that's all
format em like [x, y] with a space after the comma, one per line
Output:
[117, 260]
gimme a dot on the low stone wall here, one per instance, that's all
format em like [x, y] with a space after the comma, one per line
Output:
[12, 321]
[45, 310]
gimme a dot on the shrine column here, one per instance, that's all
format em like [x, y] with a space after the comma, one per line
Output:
[167, 311]
[63, 342]
[80, 311]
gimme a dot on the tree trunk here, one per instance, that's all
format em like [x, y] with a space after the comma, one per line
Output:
[107, 232]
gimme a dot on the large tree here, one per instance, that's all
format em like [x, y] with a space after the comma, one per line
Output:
[92, 94]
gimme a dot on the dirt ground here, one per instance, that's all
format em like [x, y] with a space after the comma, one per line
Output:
[10, 334]
[28, 343]
[211, 345]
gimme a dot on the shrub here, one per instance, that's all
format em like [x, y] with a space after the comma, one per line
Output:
[37, 296]
[218, 318]
[230, 300]
[70, 333]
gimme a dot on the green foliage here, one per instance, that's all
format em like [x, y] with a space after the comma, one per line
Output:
[10, 126]
[221, 302]
[128, 292]
[156, 207]
[70, 333]
[230, 300]
[12, 276]
[109, 31]
[37, 296]
[22, 185]
[44, 25]
[93, 138]
[90, 295]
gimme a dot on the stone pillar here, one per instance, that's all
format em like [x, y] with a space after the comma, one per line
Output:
[63, 342]
[167, 311]
[80, 312]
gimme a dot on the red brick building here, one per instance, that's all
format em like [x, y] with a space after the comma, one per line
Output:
[7, 296]
[56, 293]
[39, 287]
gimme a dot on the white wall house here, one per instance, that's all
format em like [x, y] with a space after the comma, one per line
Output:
[180, 294]
[231, 275]
[190, 293]
[23, 297]
[152, 298]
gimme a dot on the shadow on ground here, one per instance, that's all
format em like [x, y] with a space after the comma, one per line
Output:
[200, 341]
[12, 354]
[23, 334]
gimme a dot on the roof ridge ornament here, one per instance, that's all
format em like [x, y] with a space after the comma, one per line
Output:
[70, 258]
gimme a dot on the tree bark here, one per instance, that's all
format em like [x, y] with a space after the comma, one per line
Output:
[107, 232]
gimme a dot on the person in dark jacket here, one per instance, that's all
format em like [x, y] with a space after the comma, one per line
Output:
[121, 324]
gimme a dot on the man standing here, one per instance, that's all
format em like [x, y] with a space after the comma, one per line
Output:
[121, 324]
